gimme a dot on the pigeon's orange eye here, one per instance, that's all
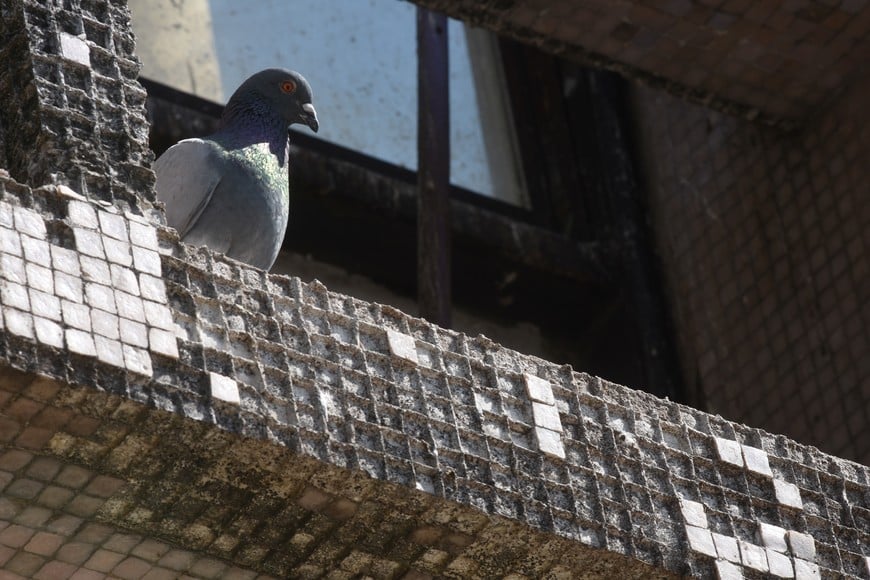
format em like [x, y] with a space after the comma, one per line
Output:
[288, 87]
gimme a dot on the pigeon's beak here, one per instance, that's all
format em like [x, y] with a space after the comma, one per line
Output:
[309, 116]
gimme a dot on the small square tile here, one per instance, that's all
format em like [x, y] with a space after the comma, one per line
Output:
[137, 360]
[118, 252]
[153, 288]
[129, 306]
[106, 324]
[134, 333]
[89, 242]
[109, 351]
[402, 346]
[6, 214]
[29, 222]
[802, 545]
[163, 342]
[550, 442]
[158, 315]
[19, 323]
[40, 277]
[125, 279]
[76, 315]
[13, 269]
[45, 305]
[14, 295]
[539, 389]
[44, 543]
[66, 261]
[700, 540]
[694, 513]
[101, 297]
[546, 416]
[68, 287]
[10, 242]
[772, 537]
[147, 261]
[726, 547]
[113, 225]
[48, 332]
[144, 236]
[779, 564]
[756, 460]
[224, 388]
[36, 251]
[753, 556]
[103, 560]
[727, 571]
[95, 270]
[787, 494]
[80, 342]
[82, 214]
[804, 570]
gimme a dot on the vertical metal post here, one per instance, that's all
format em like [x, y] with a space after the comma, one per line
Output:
[433, 166]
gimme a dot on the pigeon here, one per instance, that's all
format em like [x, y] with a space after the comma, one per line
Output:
[230, 191]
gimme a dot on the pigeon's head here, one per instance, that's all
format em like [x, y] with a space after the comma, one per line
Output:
[284, 91]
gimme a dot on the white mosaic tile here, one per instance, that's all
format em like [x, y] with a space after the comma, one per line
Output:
[804, 570]
[106, 324]
[40, 277]
[29, 222]
[18, 322]
[76, 315]
[402, 346]
[550, 442]
[700, 540]
[124, 279]
[101, 297]
[66, 261]
[779, 564]
[147, 261]
[726, 547]
[772, 537]
[82, 214]
[144, 235]
[756, 460]
[118, 252]
[13, 269]
[546, 416]
[224, 388]
[802, 545]
[163, 342]
[95, 270]
[14, 295]
[113, 225]
[137, 360]
[89, 242]
[753, 556]
[10, 242]
[693, 513]
[48, 332]
[44, 304]
[109, 351]
[727, 571]
[153, 288]
[36, 251]
[80, 342]
[68, 287]
[788, 494]
[729, 451]
[539, 389]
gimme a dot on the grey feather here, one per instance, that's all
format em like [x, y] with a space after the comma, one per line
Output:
[230, 191]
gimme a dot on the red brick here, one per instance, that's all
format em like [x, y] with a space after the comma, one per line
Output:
[103, 561]
[15, 536]
[15, 459]
[44, 543]
[23, 409]
[131, 569]
[51, 418]
[34, 438]
[55, 571]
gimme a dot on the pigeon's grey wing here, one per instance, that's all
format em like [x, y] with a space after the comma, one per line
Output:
[187, 175]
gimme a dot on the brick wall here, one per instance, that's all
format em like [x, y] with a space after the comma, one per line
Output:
[764, 237]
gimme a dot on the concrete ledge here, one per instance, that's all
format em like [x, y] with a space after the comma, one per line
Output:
[429, 415]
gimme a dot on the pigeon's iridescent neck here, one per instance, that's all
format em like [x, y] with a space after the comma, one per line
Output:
[242, 126]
